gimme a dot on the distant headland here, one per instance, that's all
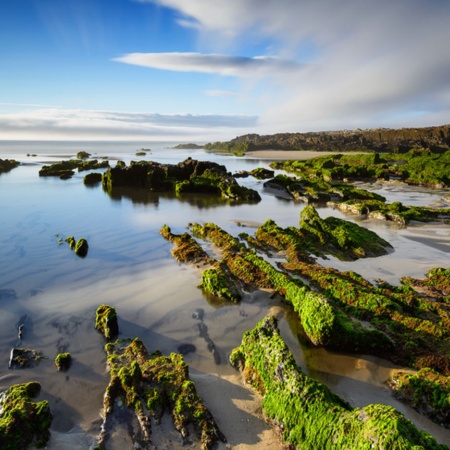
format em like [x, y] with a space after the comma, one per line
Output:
[377, 139]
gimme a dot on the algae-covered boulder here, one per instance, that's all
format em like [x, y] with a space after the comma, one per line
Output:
[80, 246]
[150, 385]
[23, 422]
[306, 412]
[8, 164]
[63, 361]
[92, 178]
[106, 321]
[83, 155]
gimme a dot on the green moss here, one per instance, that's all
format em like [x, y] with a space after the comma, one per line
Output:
[307, 412]
[63, 361]
[23, 422]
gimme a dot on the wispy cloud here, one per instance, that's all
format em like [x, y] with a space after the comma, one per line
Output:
[211, 63]
[54, 123]
[369, 63]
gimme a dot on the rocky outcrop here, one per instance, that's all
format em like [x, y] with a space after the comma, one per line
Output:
[379, 139]
[106, 321]
[23, 422]
[186, 177]
[306, 412]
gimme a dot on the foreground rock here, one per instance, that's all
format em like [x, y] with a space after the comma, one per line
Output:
[307, 413]
[23, 422]
[149, 385]
[106, 321]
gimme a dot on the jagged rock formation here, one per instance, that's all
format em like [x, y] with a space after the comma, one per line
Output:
[378, 139]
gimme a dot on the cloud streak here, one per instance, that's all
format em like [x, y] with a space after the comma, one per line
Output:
[54, 123]
[359, 62]
[226, 65]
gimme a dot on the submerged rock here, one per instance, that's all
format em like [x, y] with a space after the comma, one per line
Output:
[23, 422]
[306, 412]
[24, 358]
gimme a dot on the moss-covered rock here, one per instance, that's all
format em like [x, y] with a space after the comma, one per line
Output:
[92, 178]
[106, 321]
[216, 282]
[306, 412]
[80, 246]
[24, 357]
[23, 422]
[63, 361]
[8, 164]
[150, 385]
[83, 155]
[186, 248]
[426, 391]
[189, 176]
[341, 238]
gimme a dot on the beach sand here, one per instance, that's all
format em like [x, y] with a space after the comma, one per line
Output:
[299, 155]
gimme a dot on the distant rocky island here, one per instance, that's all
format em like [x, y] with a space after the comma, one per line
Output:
[379, 139]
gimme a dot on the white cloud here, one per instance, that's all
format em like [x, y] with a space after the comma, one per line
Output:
[368, 62]
[258, 66]
[54, 123]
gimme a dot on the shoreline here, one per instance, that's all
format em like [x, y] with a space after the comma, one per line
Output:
[299, 155]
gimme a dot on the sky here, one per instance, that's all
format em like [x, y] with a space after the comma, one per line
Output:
[207, 70]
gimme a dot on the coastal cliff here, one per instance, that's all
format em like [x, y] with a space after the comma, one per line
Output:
[379, 139]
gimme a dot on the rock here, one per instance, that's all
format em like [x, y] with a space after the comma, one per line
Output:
[81, 247]
[23, 422]
[24, 358]
[92, 178]
[106, 321]
[307, 413]
[63, 361]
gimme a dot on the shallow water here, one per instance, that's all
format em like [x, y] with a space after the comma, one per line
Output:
[129, 266]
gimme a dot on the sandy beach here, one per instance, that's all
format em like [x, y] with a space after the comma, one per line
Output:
[299, 155]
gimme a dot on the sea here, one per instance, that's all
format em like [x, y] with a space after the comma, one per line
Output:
[54, 293]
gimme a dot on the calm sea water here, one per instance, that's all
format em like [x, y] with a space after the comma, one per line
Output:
[129, 266]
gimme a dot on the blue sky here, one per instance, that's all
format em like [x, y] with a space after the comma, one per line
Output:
[213, 69]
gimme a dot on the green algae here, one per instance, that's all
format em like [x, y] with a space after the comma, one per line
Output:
[63, 361]
[23, 422]
[106, 321]
[92, 178]
[306, 412]
[150, 384]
